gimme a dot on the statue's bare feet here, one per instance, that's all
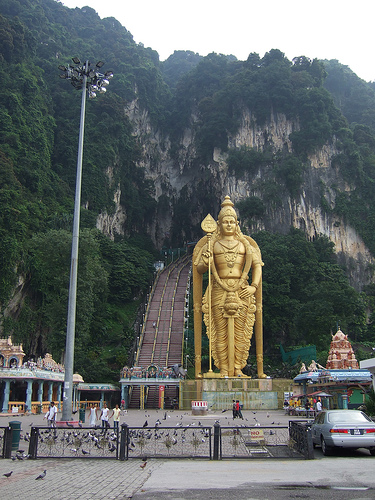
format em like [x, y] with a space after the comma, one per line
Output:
[223, 373]
[238, 373]
[262, 375]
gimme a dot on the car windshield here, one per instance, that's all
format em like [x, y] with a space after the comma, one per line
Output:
[348, 417]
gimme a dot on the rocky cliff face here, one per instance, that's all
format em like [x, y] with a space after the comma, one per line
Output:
[321, 180]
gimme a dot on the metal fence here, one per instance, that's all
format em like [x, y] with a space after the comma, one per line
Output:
[6, 435]
[256, 442]
[162, 442]
[173, 442]
[301, 439]
[73, 442]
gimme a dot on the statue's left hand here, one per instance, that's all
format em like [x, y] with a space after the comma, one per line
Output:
[247, 292]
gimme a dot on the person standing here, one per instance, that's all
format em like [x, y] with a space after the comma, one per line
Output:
[51, 415]
[234, 409]
[93, 416]
[116, 417]
[238, 410]
[105, 417]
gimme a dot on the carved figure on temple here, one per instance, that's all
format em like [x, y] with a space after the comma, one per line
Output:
[232, 307]
[314, 366]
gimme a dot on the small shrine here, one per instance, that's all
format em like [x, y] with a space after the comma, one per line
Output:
[341, 355]
[11, 356]
[338, 385]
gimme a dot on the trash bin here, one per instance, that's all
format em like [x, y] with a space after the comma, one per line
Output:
[39, 409]
[16, 428]
[82, 415]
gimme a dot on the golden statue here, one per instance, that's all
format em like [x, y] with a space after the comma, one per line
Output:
[231, 307]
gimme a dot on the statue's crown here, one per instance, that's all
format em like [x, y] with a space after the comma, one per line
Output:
[227, 209]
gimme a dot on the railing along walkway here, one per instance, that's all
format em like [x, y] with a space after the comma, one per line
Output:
[199, 441]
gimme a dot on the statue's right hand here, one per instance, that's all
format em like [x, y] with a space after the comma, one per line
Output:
[206, 257]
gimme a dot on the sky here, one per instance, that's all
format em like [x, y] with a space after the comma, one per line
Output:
[323, 29]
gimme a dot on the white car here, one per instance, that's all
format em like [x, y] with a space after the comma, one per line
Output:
[343, 429]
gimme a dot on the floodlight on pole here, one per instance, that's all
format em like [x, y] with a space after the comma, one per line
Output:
[81, 76]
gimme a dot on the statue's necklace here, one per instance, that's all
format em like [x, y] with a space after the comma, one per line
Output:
[230, 254]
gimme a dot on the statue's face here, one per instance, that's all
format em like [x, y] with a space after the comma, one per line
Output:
[228, 225]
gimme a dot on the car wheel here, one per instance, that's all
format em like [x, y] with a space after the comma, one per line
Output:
[327, 450]
[372, 452]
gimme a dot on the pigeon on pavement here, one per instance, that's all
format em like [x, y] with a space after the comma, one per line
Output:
[8, 474]
[42, 475]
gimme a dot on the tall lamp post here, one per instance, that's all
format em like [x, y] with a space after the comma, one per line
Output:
[82, 76]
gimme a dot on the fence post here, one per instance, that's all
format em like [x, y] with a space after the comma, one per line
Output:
[33, 444]
[217, 432]
[310, 447]
[300, 434]
[7, 444]
[124, 442]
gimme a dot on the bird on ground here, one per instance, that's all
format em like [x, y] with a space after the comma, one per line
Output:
[8, 474]
[145, 424]
[69, 424]
[223, 411]
[84, 452]
[143, 465]
[42, 475]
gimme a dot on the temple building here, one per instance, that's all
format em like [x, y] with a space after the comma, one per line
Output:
[340, 384]
[341, 354]
[11, 356]
[29, 386]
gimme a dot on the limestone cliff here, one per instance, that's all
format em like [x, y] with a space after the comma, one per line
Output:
[172, 173]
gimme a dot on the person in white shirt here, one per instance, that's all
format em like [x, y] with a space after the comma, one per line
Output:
[116, 417]
[51, 415]
[105, 417]
[93, 416]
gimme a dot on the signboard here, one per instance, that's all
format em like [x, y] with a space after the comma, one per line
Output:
[257, 434]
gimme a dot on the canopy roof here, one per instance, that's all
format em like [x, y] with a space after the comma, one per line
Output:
[345, 376]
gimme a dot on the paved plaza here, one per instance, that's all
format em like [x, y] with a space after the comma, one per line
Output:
[68, 479]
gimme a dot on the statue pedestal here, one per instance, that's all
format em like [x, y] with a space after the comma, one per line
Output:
[254, 394]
